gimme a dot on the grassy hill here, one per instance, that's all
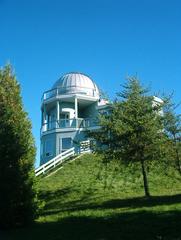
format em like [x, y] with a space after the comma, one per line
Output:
[87, 200]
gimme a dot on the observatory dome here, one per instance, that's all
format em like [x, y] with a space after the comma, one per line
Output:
[77, 83]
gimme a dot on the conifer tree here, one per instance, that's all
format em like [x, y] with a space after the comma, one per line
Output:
[18, 187]
[172, 127]
[133, 132]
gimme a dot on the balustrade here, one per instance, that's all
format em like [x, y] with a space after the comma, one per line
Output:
[70, 123]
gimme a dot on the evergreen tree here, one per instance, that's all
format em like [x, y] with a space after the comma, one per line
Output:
[172, 127]
[133, 132]
[18, 187]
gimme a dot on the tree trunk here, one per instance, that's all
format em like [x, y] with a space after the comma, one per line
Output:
[145, 180]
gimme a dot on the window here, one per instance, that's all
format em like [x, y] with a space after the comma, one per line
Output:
[66, 143]
[48, 148]
[65, 115]
[65, 120]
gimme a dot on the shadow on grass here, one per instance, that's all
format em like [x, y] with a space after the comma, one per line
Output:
[127, 226]
[143, 202]
[131, 203]
[49, 195]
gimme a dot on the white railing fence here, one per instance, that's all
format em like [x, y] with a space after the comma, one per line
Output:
[55, 161]
[70, 123]
[85, 146]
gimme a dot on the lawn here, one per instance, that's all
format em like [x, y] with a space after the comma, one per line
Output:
[86, 200]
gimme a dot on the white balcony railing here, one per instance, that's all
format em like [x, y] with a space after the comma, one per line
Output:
[70, 123]
[69, 90]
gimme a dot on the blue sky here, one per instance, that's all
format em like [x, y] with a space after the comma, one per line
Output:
[106, 39]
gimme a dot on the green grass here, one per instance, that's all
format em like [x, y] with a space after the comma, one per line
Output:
[86, 200]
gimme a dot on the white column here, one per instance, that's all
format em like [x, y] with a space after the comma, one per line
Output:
[58, 111]
[58, 114]
[44, 118]
[44, 114]
[76, 108]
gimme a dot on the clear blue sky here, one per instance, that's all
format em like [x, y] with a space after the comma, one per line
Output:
[106, 39]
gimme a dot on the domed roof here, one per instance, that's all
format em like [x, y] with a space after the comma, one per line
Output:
[76, 83]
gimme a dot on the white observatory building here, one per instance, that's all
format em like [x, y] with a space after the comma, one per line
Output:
[69, 109]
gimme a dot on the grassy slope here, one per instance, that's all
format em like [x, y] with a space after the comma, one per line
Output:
[86, 201]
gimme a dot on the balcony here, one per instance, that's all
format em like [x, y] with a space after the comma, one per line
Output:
[69, 90]
[74, 123]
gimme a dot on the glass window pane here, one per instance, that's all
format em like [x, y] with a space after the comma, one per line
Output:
[66, 143]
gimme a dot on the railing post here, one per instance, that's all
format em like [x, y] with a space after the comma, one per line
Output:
[61, 158]
[43, 170]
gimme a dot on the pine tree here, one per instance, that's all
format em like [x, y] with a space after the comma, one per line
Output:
[133, 132]
[18, 187]
[172, 127]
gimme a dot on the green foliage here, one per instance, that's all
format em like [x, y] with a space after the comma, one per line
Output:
[172, 127]
[134, 131]
[18, 187]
